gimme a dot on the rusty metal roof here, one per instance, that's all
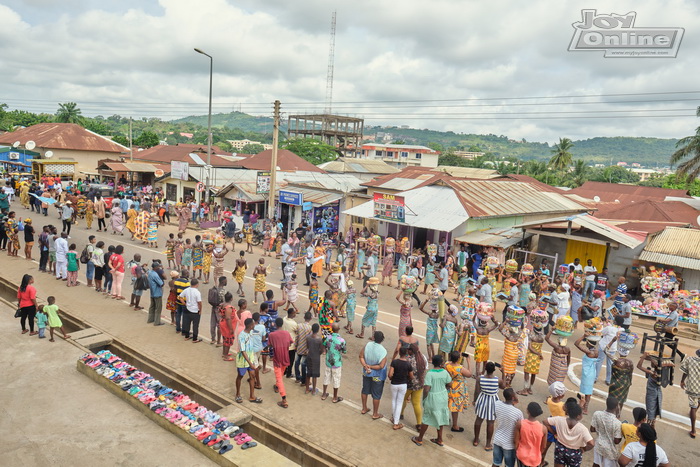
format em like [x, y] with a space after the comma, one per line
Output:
[501, 198]
[358, 165]
[141, 167]
[68, 136]
[674, 246]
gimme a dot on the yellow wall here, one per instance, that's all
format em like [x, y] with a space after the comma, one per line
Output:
[585, 251]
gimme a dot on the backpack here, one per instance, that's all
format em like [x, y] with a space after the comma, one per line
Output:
[213, 297]
[20, 226]
[85, 256]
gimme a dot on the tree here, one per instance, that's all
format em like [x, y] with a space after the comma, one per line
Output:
[96, 126]
[398, 141]
[224, 146]
[147, 139]
[121, 139]
[689, 152]
[68, 113]
[615, 174]
[452, 160]
[252, 148]
[561, 156]
[311, 150]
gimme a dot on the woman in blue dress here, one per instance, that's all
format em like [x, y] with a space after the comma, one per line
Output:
[588, 366]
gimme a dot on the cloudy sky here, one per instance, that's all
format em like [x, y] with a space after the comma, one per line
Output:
[500, 66]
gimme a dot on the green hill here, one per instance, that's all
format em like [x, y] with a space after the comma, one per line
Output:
[646, 151]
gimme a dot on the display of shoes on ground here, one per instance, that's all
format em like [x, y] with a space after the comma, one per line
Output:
[207, 426]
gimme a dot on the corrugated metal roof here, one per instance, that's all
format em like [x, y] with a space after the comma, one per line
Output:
[501, 198]
[429, 207]
[675, 246]
[62, 136]
[500, 238]
[467, 172]
[594, 224]
[318, 197]
[349, 165]
[400, 184]
[135, 167]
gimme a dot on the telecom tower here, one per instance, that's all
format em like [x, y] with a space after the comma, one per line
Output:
[329, 75]
[344, 133]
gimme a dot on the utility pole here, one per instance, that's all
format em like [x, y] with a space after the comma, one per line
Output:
[273, 163]
[131, 152]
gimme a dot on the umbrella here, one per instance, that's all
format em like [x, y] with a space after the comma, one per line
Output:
[43, 199]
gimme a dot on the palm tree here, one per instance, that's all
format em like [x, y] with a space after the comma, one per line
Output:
[579, 175]
[68, 113]
[561, 158]
[688, 148]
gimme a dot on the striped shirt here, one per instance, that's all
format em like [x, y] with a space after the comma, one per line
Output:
[507, 415]
[485, 405]
[303, 331]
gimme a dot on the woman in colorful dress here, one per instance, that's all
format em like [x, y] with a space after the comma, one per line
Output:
[141, 227]
[152, 232]
[228, 321]
[326, 315]
[206, 259]
[414, 393]
[260, 274]
[401, 269]
[197, 256]
[486, 394]
[621, 376]
[239, 272]
[387, 267]
[510, 351]
[187, 255]
[406, 302]
[220, 251]
[431, 333]
[371, 291]
[317, 267]
[171, 303]
[429, 276]
[449, 331]
[458, 392]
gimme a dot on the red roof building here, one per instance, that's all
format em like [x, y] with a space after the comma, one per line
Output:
[287, 161]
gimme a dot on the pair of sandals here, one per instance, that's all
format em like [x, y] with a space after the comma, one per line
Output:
[244, 440]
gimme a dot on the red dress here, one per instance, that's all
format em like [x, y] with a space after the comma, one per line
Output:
[227, 335]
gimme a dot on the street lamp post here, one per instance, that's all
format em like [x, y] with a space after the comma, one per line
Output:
[211, 79]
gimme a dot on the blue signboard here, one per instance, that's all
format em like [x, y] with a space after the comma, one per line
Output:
[291, 197]
[308, 206]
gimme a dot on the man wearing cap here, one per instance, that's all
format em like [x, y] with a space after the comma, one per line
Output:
[67, 217]
[155, 282]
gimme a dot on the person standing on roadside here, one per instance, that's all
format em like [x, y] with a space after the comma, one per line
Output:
[507, 417]
[608, 427]
[620, 292]
[291, 326]
[44, 249]
[26, 304]
[61, 257]
[155, 283]
[373, 361]
[193, 311]
[335, 348]
[216, 299]
[690, 382]
[100, 208]
[90, 265]
[280, 340]
[302, 349]
[589, 273]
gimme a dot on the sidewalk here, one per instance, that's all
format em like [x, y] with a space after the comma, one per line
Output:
[337, 428]
[53, 415]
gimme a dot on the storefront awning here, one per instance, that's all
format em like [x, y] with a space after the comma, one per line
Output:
[428, 207]
[317, 197]
[608, 231]
[499, 238]
[674, 246]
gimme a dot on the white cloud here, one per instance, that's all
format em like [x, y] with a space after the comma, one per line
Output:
[134, 57]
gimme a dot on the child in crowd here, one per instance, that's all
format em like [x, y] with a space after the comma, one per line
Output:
[576, 302]
[51, 311]
[259, 334]
[42, 320]
[170, 251]
[73, 266]
[187, 255]
[290, 291]
[313, 295]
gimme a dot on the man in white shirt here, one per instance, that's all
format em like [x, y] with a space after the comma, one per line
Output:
[609, 332]
[589, 273]
[578, 270]
[61, 258]
[309, 260]
[193, 311]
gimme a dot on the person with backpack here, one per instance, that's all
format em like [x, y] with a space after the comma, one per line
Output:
[215, 298]
[86, 259]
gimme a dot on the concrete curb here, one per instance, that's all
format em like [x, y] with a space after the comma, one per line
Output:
[261, 455]
[630, 403]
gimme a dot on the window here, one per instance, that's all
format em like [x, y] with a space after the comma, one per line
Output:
[418, 155]
[404, 154]
[390, 154]
[171, 192]
[379, 153]
[363, 152]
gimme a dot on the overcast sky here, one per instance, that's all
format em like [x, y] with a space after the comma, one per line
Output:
[459, 59]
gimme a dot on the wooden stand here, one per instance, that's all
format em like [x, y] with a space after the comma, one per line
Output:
[660, 343]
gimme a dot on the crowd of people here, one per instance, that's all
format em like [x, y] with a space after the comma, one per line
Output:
[461, 295]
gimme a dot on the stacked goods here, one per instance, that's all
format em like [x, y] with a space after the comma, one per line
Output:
[405, 246]
[492, 262]
[408, 283]
[390, 244]
[469, 305]
[515, 316]
[484, 311]
[432, 250]
[593, 329]
[527, 270]
[564, 326]
[539, 318]
[627, 340]
[511, 265]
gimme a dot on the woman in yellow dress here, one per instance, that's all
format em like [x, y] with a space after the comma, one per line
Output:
[131, 220]
[239, 273]
[206, 259]
[89, 212]
[260, 274]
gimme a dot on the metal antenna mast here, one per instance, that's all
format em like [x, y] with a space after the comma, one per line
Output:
[329, 76]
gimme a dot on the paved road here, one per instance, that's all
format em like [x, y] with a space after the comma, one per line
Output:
[672, 434]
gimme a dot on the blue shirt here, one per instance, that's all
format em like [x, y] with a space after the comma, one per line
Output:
[124, 204]
[136, 204]
[258, 334]
[156, 284]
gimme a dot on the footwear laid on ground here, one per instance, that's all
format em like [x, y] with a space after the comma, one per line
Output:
[205, 425]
